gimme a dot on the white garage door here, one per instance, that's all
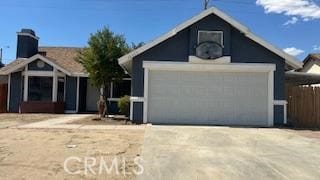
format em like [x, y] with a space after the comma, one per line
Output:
[220, 98]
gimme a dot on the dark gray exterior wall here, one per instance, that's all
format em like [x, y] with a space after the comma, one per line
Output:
[83, 94]
[15, 92]
[71, 93]
[181, 46]
[33, 66]
[26, 46]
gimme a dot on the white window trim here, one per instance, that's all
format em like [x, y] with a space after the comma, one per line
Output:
[54, 74]
[220, 32]
[111, 98]
[234, 67]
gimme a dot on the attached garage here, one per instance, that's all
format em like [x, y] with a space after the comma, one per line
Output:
[214, 94]
[208, 70]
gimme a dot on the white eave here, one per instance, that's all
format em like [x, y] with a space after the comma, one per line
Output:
[31, 59]
[290, 60]
[28, 34]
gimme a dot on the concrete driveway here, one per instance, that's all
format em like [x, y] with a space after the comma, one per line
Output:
[173, 152]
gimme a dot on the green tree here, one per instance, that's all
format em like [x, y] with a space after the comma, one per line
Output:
[100, 58]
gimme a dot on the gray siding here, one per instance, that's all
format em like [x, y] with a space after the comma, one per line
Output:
[138, 112]
[279, 116]
[71, 93]
[216, 25]
[15, 92]
[26, 46]
[33, 66]
[178, 48]
[83, 94]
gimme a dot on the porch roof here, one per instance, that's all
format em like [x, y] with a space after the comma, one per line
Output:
[63, 58]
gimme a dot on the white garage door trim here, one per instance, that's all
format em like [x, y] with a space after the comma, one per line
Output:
[233, 67]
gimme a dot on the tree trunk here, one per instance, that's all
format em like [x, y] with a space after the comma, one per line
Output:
[106, 96]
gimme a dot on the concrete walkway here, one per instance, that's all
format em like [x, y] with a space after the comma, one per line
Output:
[183, 153]
[61, 123]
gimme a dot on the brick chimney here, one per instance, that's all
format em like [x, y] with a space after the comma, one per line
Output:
[27, 44]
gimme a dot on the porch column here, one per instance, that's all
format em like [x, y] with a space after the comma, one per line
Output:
[26, 85]
[55, 85]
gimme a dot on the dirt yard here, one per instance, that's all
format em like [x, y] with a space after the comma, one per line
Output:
[93, 120]
[40, 154]
[15, 119]
[314, 134]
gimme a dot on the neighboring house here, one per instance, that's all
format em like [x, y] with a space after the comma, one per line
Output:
[308, 75]
[49, 79]
[311, 64]
[208, 70]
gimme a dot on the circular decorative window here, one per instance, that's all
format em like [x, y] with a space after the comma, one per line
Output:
[40, 64]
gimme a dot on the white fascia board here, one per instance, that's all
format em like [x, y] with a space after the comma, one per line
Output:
[292, 61]
[289, 59]
[14, 68]
[80, 74]
[38, 73]
[232, 67]
[33, 58]
[28, 34]
[38, 56]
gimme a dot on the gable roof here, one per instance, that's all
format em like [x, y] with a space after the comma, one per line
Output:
[307, 62]
[311, 57]
[290, 60]
[63, 58]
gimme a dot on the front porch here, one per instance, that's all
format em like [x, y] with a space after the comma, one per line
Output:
[43, 89]
[39, 85]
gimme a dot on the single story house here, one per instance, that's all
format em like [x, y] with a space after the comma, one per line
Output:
[50, 80]
[311, 64]
[309, 74]
[209, 70]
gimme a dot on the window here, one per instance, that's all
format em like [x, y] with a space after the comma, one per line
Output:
[121, 88]
[60, 95]
[210, 36]
[39, 88]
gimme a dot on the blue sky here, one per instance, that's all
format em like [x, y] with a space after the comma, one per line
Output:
[294, 25]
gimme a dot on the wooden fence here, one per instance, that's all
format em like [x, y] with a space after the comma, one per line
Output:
[3, 97]
[304, 106]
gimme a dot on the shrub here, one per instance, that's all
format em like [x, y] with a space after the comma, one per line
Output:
[124, 105]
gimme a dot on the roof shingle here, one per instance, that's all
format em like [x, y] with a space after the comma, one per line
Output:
[64, 57]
